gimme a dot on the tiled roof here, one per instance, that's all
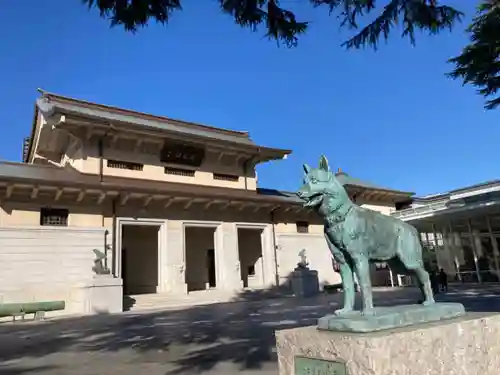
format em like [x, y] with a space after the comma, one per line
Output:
[347, 180]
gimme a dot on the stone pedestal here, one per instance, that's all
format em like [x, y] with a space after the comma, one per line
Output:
[468, 345]
[304, 282]
[391, 317]
[105, 295]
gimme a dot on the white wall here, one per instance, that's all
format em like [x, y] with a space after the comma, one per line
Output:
[317, 253]
[47, 264]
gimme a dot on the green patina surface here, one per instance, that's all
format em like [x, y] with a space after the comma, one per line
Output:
[391, 317]
[357, 236]
[8, 309]
[316, 366]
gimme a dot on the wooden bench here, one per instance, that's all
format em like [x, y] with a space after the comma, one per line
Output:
[38, 309]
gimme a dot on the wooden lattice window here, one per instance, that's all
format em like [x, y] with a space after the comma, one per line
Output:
[225, 177]
[125, 165]
[179, 172]
[302, 227]
[54, 217]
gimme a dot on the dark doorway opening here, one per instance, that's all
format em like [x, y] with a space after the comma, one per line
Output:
[211, 267]
[139, 258]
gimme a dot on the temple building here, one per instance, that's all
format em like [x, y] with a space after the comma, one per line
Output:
[171, 207]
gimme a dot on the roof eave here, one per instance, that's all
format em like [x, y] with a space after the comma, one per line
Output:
[382, 190]
[46, 175]
[51, 104]
[32, 135]
[85, 103]
[265, 154]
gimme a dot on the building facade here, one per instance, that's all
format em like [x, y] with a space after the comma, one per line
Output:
[460, 230]
[173, 206]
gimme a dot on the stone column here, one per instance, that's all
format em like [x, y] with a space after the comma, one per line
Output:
[474, 250]
[174, 259]
[494, 245]
[229, 259]
[457, 252]
[162, 258]
[269, 257]
[436, 246]
[450, 259]
[479, 252]
[478, 246]
[107, 222]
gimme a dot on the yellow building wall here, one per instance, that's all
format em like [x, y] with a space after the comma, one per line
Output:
[25, 214]
[291, 227]
[287, 224]
[28, 214]
[84, 159]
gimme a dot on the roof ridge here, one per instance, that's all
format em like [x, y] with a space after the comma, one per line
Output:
[49, 95]
[30, 165]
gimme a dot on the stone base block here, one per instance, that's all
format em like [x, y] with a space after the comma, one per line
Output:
[468, 345]
[105, 295]
[391, 317]
[305, 282]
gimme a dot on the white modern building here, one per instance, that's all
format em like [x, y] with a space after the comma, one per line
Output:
[461, 230]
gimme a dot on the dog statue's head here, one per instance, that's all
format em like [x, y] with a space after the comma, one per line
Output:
[320, 182]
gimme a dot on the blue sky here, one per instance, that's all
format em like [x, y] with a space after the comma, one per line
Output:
[390, 117]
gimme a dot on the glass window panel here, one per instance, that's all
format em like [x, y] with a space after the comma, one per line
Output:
[486, 263]
[480, 224]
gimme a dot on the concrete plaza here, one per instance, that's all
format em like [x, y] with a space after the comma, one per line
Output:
[224, 338]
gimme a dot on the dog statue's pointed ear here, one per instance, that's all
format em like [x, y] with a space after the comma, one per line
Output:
[323, 163]
[306, 168]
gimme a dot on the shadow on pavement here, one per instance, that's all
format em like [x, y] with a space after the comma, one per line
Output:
[193, 340]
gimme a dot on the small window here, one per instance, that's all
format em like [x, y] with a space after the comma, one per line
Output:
[125, 165]
[54, 217]
[179, 172]
[225, 177]
[302, 227]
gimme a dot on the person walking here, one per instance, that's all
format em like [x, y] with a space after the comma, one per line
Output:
[434, 281]
[443, 280]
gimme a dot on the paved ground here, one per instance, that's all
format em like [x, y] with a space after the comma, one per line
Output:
[231, 338]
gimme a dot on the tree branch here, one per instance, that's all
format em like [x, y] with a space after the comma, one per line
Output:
[425, 15]
[479, 62]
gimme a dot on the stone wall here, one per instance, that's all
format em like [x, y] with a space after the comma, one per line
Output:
[47, 264]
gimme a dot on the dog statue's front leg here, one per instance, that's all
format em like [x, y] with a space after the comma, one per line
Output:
[362, 269]
[347, 277]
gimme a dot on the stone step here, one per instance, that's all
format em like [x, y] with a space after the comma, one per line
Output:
[164, 301]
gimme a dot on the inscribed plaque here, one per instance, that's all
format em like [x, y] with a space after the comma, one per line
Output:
[316, 366]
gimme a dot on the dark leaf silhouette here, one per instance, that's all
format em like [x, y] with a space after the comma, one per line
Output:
[479, 62]
[282, 24]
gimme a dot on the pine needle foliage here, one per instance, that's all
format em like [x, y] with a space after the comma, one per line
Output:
[479, 62]
[281, 23]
